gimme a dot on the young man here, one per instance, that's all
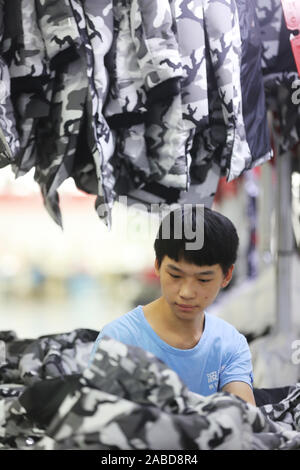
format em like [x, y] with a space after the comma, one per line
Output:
[208, 353]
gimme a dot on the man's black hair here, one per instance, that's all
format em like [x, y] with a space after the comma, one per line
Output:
[220, 238]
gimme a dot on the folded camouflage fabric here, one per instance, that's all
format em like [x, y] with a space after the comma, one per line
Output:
[27, 361]
[128, 399]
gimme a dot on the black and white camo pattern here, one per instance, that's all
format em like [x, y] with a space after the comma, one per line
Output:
[127, 399]
[281, 79]
[143, 57]
[26, 57]
[94, 22]
[215, 102]
[9, 139]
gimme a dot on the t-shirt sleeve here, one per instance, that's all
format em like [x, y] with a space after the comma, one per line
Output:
[115, 330]
[108, 330]
[237, 366]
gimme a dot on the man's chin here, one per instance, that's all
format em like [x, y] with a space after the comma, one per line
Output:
[187, 310]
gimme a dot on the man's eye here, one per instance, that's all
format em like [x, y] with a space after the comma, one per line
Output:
[174, 275]
[204, 280]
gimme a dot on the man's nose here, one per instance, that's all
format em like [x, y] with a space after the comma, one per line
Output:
[187, 290]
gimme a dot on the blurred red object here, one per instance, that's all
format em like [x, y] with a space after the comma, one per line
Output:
[225, 190]
[149, 276]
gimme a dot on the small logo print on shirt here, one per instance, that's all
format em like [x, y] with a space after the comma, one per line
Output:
[212, 376]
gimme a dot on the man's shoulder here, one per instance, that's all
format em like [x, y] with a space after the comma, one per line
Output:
[232, 340]
[124, 329]
[125, 321]
[222, 328]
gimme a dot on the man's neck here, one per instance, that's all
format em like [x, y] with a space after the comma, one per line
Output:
[182, 334]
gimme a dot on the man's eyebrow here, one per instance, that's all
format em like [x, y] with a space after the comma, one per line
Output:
[205, 273]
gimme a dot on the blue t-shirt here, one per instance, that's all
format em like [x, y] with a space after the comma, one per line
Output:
[222, 354]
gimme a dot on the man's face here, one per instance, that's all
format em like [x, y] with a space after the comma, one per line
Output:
[188, 288]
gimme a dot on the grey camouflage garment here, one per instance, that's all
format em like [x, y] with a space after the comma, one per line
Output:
[128, 399]
[57, 135]
[143, 57]
[231, 32]
[43, 91]
[28, 59]
[9, 139]
[72, 83]
[94, 22]
[281, 80]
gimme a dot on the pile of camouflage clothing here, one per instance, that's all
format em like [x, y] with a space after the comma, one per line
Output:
[127, 399]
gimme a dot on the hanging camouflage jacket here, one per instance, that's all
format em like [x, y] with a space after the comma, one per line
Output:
[57, 135]
[24, 51]
[233, 130]
[36, 48]
[281, 80]
[56, 88]
[144, 102]
[95, 24]
[9, 139]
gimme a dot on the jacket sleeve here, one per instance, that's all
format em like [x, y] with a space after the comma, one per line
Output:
[59, 30]
[9, 139]
[230, 27]
[153, 29]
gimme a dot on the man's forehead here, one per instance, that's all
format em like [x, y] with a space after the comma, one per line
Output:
[191, 268]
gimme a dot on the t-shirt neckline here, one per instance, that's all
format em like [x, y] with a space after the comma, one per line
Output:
[168, 347]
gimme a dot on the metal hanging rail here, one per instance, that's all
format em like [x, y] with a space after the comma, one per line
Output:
[285, 245]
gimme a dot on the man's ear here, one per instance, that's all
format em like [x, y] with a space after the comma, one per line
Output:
[228, 276]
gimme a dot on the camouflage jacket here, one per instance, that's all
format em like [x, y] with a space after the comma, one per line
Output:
[53, 94]
[231, 126]
[40, 49]
[127, 399]
[144, 101]
[9, 139]
[281, 80]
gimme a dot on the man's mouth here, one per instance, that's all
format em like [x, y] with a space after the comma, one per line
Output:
[186, 307]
